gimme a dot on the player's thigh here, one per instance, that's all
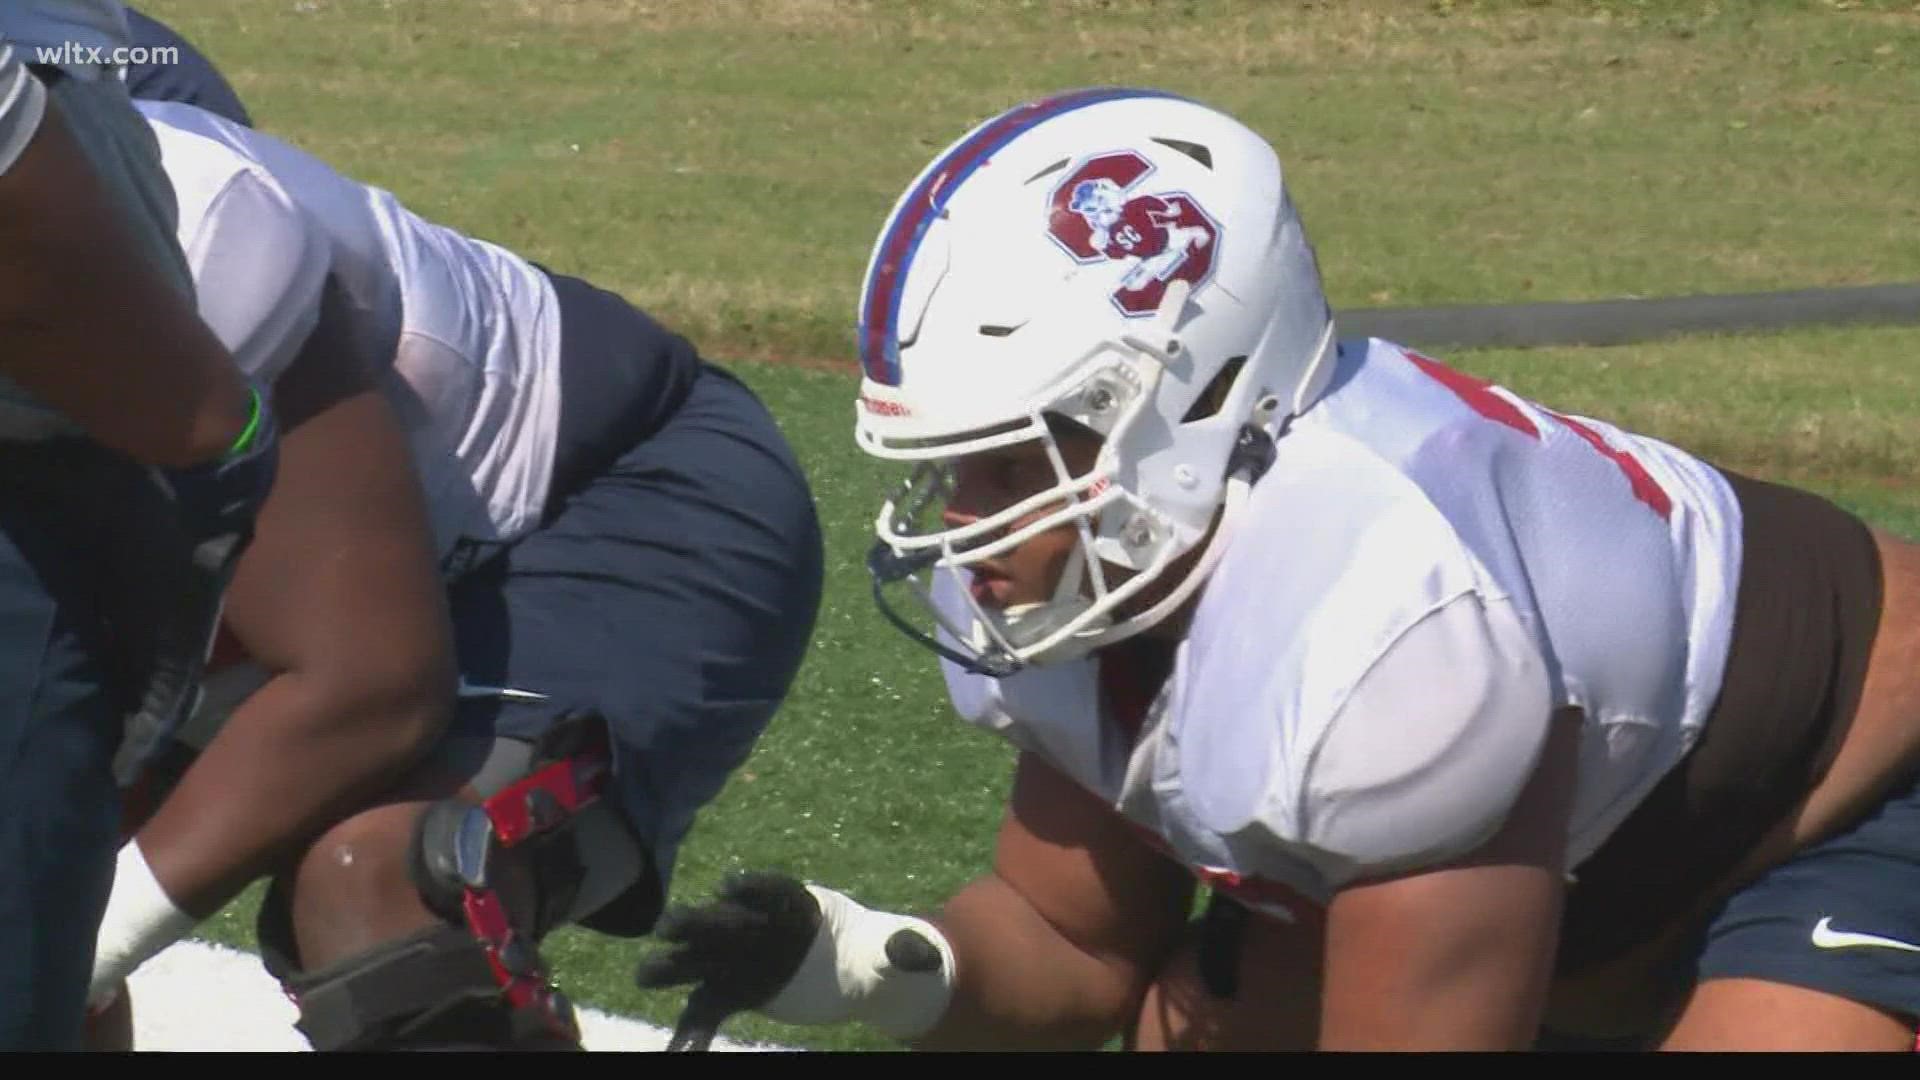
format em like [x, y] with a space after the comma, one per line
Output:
[672, 594]
[1820, 952]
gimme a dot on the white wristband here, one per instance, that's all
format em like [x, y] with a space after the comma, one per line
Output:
[847, 974]
[141, 920]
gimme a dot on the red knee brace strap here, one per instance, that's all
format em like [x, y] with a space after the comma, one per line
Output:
[487, 863]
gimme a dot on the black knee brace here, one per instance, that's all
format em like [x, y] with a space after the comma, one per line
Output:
[437, 989]
[502, 873]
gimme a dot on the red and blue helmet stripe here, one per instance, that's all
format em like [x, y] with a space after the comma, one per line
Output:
[880, 301]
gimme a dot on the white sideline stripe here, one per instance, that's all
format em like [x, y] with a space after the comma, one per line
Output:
[198, 996]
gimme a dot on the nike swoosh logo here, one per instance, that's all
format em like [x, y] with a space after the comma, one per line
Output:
[469, 690]
[1826, 937]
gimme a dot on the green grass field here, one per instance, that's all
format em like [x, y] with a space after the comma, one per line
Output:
[727, 166]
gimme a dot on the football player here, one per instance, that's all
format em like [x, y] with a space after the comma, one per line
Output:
[1477, 718]
[135, 457]
[631, 567]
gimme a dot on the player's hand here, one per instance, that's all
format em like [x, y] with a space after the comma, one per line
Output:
[737, 952]
[801, 954]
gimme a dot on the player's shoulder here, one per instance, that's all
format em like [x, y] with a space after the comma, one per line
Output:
[1382, 745]
[221, 187]
[194, 156]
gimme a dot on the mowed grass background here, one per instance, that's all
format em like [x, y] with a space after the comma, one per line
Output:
[727, 166]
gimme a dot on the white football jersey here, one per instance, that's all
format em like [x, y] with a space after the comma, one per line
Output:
[469, 332]
[1431, 567]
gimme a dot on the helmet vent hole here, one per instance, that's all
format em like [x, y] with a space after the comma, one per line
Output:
[1050, 170]
[1214, 397]
[987, 330]
[1193, 150]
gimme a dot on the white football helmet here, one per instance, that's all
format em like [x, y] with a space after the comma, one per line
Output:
[1105, 256]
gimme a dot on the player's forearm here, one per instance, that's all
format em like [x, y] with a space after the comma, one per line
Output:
[1021, 984]
[338, 598]
[294, 758]
[90, 329]
[267, 783]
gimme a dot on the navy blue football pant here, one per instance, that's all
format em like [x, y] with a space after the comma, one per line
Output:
[672, 588]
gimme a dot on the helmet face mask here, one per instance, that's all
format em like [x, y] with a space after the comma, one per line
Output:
[1064, 261]
[1088, 591]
